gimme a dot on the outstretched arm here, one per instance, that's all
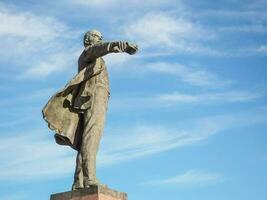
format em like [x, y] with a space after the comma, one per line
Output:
[95, 51]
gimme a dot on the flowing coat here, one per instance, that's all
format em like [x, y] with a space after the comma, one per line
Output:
[64, 109]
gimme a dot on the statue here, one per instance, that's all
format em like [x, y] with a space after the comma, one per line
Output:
[77, 113]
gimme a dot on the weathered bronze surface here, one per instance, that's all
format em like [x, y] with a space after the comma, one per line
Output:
[77, 113]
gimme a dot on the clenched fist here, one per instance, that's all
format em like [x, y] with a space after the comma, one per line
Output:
[131, 48]
[121, 46]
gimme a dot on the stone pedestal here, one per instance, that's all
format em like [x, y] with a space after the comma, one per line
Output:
[93, 193]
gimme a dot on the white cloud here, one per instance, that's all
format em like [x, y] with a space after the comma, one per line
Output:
[36, 156]
[53, 63]
[123, 104]
[227, 97]
[188, 178]
[179, 30]
[119, 61]
[96, 3]
[170, 33]
[142, 141]
[262, 49]
[25, 24]
[164, 30]
[12, 100]
[23, 32]
[147, 140]
[189, 75]
[42, 43]
[137, 4]
[192, 75]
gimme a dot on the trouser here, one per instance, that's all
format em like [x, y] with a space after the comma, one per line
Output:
[93, 125]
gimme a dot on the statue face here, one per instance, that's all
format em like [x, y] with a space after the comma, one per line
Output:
[92, 37]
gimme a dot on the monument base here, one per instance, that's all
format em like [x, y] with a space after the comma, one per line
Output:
[98, 192]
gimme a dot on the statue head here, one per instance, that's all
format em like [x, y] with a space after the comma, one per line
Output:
[92, 37]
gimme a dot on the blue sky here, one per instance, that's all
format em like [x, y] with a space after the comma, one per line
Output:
[187, 114]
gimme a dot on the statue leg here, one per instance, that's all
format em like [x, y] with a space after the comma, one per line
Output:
[94, 119]
[78, 176]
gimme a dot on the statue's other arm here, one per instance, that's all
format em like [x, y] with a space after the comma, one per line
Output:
[99, 50]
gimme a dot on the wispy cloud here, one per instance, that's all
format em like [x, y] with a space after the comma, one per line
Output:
[56, 62]
[191, 75]
[172, 31]
[25, 24]
[27, 32]
[36, 156]
[43, 43]
[122, 103]
[262, 49]
[40, 94]
[189, 178]
[169, 32]
[105, 4]
[180, 30]
[119, 62]
[258, 50]
[163, 29]
[227, 97]
[147, 140]
[253, 50]
[96, 3]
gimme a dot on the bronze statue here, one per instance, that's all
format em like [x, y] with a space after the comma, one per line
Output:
[77, 113]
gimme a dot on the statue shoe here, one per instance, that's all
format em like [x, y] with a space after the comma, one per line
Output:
[76, 186]
[91, 183]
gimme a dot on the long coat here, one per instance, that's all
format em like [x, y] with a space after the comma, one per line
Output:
[64, 109]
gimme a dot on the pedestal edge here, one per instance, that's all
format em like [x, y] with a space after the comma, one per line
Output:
[98, 189]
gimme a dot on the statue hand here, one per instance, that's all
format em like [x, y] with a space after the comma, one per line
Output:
[131, 48]
[121, 46]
